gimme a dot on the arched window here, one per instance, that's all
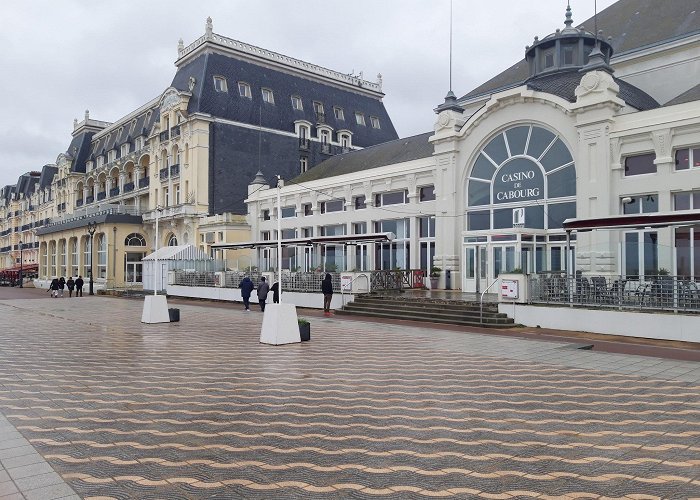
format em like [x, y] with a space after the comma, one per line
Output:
[524, 167]
[73, 271]
[172, 241]
[101, 256]
[62, 257]
[86, 256]
[135, 240]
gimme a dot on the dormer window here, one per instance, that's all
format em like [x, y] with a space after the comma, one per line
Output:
[220, 84]
[124, 149]
[360, 119]
[375, 121]
[111, 155]
[318, 108]
[89, 166]
[100, 161]
[268, 96]
[244, 90]
[338, 112]
[133, 127]
[344, 141]
[138, 143]
[296, 103]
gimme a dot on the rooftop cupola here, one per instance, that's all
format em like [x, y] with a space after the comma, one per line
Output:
[568, 50]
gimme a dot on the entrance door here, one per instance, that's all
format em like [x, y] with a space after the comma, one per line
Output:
[133, 271]
[476, 268]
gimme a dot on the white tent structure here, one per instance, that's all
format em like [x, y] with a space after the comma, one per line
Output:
[182, 257]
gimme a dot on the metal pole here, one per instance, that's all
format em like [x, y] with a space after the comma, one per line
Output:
[92, 227]
[21, 260]
[279, 237]
[155, 254]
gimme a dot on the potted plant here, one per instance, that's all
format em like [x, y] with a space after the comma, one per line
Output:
[304, 329]
[434, 277]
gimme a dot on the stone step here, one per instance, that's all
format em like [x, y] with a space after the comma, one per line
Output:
[489, 322]
[427, 313]
[426, 305]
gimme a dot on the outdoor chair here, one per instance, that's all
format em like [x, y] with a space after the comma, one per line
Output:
[601, 293]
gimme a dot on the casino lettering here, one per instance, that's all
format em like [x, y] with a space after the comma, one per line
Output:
[516, 194]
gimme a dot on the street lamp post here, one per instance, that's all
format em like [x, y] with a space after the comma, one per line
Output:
[21, 260]
[91, 228]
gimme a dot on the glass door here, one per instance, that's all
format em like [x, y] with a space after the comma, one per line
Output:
[133, 271]
[475, 268]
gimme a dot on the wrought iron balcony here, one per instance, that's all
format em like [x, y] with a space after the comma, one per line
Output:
[163, 174]
[164, 135]
[175, 170]
[128, 187]
[114, 191]
[175, 131]
[89, 199]
[79, 203]
[143, 182]
[304, 144]
[101, 196]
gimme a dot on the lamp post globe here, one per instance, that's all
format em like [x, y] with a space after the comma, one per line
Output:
[21, 261]
[91, 228]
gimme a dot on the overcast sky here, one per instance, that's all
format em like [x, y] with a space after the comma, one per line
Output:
[60, 58]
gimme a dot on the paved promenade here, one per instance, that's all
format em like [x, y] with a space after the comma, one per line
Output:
[102, 406]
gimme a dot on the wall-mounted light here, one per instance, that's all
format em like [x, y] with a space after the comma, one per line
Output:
[626, 200]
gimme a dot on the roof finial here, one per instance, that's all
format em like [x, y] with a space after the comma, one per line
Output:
[569, 21]
[209, 28]
[180, 45]
[87, 115]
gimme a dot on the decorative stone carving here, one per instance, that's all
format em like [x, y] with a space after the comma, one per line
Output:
[170, 100]
[191, 83]
[662, 145]
[444, 120]
[615, 154]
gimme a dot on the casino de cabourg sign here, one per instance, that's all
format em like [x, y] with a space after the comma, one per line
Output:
[518, 180]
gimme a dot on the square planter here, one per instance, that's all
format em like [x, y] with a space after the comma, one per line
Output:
[305, 331]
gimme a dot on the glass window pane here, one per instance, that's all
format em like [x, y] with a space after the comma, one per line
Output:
[681, 201]
[470, 262]
[696, 252]
[483, 168]
[631, 255]
[534, 217]
[682, 244]
[696, 200]
[479, 220]
[640, 164]
[520, 179]
[556, 156]
[632, 207]
[650, 203]
[651, 254]
[497, 261]
[696, 157]
[496, 149]
[510, 259]
[683, 159]
[503, 218]
[556, 259]
[557, 213]
[562, 183]
[479, 193]
[539, 140]
[394, 198]
[517, 138]
[427, 193]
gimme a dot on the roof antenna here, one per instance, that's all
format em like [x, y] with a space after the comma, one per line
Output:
[450, 98]
[595, 20]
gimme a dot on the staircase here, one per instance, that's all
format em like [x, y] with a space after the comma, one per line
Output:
[452, 312]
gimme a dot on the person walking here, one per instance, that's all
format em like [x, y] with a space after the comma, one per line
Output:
[263, 290]
[327, 289]
[79, 286]
[54, 288]
[275, 289]
[61, 286]
[71, 285]
[246, 286]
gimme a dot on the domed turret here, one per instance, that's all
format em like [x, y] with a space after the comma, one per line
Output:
[567, 50]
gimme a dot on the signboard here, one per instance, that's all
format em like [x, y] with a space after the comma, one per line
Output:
[346, 282]
[518, 180]
[509, 289]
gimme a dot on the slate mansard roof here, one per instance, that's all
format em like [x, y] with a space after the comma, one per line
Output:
[280, 115]
[389, 153]
[564, 86]
[632, 24]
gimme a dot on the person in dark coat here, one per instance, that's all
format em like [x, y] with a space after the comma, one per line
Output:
[61, 286]
[263, 290]
[79, 286]
[246, 287]
[327, 289]
[71, 285]
[54, 287]
[275, 289]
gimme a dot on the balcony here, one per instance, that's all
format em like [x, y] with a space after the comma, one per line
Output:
[163, 173]
[143, 182]
[114, 191]
[79, 203]
[175, 170]
[304, 144]
[175, 211]
[101, 196]
[89, 199]
[325, 148]
[128, 187]
[164, 135]
[175, 131]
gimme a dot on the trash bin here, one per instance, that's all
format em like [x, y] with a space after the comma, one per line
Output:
[174, 314]
[448, 280]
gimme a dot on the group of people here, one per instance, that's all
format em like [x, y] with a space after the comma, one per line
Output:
[247, 286]
[58, 285]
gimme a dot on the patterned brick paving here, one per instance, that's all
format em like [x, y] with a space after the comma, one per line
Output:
[201, 409]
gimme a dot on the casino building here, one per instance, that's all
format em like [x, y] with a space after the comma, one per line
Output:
[586, 126]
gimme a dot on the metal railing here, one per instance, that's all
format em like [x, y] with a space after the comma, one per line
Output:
[309, 282]
[661, 292]
[397, 279]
